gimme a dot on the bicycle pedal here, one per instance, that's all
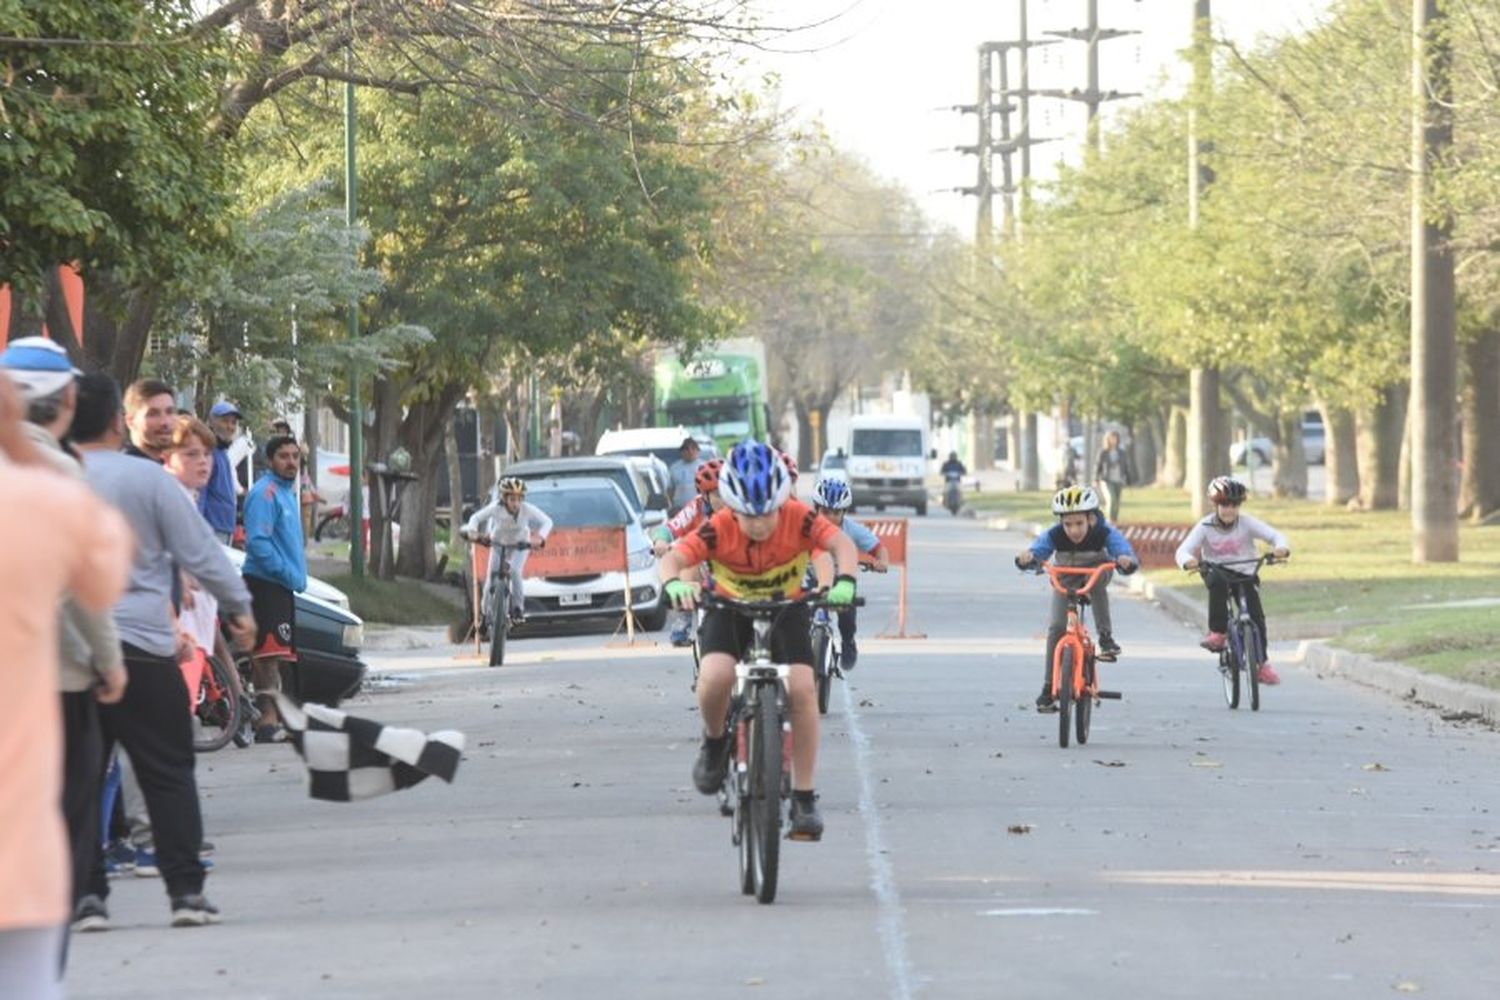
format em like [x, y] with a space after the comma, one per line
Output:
[806, 838]
[1104, 657]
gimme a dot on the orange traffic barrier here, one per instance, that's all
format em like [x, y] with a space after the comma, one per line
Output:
[892, 534]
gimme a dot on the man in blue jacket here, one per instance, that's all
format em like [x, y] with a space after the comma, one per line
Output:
[275, 569]
[216, 501]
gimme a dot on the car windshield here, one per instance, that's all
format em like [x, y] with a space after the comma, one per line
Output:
[620, 476]
[836, 462]
[667, 454]
[900, 443]
[581, 507]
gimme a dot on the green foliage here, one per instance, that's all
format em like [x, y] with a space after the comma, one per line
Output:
[104, 148]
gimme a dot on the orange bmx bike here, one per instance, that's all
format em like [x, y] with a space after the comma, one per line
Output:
[1075, 674]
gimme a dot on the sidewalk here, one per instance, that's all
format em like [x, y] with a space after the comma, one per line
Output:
[1455, 700]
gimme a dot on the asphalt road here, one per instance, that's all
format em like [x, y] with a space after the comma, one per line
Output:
[1335, 844]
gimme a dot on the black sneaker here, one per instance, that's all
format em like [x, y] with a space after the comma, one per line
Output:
[712, 765]
[849, 656]
[90, 915]
[806, 823]
[193, 911]
[1045, 702]
[1108, 648]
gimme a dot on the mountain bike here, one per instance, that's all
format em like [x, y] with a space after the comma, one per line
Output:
[492, 622]
[828, 649]
[759, 782]
[1243, 652]
[1075, 673]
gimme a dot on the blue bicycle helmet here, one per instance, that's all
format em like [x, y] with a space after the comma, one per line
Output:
[754, 479]
[833, 494]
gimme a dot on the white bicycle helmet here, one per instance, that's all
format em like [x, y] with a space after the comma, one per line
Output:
[1075, 500]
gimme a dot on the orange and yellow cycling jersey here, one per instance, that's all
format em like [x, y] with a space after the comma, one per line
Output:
[758, 570]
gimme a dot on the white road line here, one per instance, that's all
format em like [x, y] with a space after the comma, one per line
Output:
[882, 879]
[1040, 911]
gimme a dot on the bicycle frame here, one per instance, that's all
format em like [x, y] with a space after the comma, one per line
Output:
[1076, 635]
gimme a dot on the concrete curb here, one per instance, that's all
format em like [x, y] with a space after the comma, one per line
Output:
[1456, 700]
[398, 638]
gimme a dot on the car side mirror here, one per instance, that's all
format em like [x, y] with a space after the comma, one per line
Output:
[658, 501]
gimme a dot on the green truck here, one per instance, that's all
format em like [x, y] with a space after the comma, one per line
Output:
[719, 392]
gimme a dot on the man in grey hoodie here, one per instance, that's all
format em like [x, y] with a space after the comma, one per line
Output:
[153, 721]
[91, 667]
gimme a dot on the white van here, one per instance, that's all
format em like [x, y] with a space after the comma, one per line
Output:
[888, 462]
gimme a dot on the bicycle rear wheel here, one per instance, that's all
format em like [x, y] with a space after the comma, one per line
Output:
[765, 794]
[1250, 657]
[1064, 694]
[220, 711]
[1084, 710]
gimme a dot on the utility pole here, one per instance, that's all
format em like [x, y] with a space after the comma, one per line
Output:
[356, 408]
[1206, 444]
[1434, 346]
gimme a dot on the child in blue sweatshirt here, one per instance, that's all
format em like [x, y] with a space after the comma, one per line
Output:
[1082, 537]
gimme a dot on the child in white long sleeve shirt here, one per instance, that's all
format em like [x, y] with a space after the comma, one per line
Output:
[506, 522]
[1227, 536]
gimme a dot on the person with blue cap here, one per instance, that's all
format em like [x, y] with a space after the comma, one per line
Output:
[218, 500]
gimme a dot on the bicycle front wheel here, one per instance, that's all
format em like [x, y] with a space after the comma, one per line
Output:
[1066, 655]
[1083, 711]
[1250, 661]
[1230, 673]
[220, 711]
[499, 625]
[822, 644]
[765, 794]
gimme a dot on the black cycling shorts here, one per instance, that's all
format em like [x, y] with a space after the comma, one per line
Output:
[275, 610]
[725, 631]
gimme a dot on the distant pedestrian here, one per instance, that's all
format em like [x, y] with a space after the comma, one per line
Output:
[1067, 465]
[80, 547]
[150, 410]
[684, 473]
[1114, 470]
[275, 569]
[218, 501]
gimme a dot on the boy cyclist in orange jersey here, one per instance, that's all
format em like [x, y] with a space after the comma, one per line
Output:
[759, 547]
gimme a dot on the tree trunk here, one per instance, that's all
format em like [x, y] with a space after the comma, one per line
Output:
[1031, 465]
[1340, 465]
[380, 439]
[1434, 349]
[1143, 444]
[1290, 456]
[1174, 460]
[804, 454]
[421, 433]
[1380, 432]
[1013, 430]
[1479, 491]
[458, 552]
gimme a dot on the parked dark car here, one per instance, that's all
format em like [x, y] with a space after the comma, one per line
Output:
[328, 639]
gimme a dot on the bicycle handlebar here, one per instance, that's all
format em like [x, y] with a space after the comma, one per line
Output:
[489, 543]
[812, 599]
[1268, 559]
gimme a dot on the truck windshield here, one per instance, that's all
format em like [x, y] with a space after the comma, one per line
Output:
[720, 420]
[899, 443]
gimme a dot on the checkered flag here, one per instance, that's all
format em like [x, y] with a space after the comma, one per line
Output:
[349, 758]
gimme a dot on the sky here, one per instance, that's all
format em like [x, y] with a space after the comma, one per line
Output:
[883, 75]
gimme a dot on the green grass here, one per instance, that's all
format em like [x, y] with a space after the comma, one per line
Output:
[398, 602]
[1351, 577]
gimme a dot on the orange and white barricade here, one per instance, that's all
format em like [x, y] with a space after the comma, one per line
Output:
[892, 534]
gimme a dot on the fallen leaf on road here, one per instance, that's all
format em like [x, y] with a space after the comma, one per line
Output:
[866, 703]
[1018, 828]
[1377, 766]
[756, 981]
[1110, 763]
[1407, 986]
[1205, 762]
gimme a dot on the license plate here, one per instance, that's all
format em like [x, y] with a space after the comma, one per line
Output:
[574, 600]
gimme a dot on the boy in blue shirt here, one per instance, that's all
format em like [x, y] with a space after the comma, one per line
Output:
[832, 499]
[1082, 537]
